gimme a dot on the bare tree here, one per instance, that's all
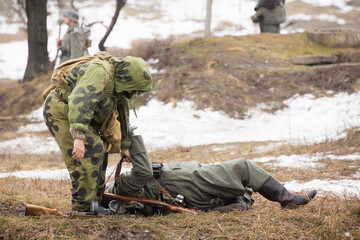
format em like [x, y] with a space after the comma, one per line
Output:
[38, 57]
[208, 18]
[119, 5]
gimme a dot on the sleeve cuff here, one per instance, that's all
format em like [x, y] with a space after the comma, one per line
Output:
[125, 143]
[77, 134]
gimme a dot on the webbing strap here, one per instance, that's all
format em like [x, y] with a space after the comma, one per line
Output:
[107, 74]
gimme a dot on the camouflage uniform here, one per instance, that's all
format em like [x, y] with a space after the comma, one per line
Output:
[270, 14]
[72, 44]
[81, 113]
[203, 186]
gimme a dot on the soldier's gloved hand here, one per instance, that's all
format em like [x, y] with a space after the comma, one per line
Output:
[125, 153]
[79, 149]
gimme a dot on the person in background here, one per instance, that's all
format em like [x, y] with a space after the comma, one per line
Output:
[72, 43]
[199, 186]
[270, 14]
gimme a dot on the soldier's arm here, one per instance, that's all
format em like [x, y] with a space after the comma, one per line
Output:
[76, 44]
[124, 109]
[130, 183]
[85, 95]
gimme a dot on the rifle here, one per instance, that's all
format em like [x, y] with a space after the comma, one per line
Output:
[33, 210]
[149, 202]
[53, 63]
[95, 210]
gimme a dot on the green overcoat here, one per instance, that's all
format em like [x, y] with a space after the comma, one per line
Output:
[72, 44]
[276, 15]
[203, 186]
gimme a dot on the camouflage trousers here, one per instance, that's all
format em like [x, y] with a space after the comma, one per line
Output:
[88, 175]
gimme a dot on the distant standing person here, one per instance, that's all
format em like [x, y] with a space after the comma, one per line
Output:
[72, 44]
[270, 14]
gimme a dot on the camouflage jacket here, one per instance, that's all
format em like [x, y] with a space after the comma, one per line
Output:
[72, 45]
[92, 100]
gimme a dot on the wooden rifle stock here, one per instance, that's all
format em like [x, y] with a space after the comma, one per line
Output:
[149, 202]
[33, 210]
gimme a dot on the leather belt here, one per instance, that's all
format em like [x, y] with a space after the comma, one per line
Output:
[158, 179]
[58, 96]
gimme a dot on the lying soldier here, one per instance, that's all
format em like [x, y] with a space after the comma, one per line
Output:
[201, 186]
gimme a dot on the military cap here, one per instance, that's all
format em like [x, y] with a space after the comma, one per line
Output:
[72, 15]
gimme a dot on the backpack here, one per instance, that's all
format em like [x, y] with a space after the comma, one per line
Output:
[59, 74]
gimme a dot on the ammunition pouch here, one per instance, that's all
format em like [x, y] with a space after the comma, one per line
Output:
[110, 132]
[64, 52]
[157, 169]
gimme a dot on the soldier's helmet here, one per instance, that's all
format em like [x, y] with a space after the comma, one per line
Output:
[72, 15]
[131, 74]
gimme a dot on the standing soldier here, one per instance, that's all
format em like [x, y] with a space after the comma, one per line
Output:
[72, 44]
[270, 14]
[76, 113]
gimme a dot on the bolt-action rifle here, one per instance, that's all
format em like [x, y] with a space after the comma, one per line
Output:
[150, 202]
[96, 210]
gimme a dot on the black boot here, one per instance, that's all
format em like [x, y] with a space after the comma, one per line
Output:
[275, 191]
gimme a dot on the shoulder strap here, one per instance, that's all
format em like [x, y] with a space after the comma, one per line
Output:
[107, 72]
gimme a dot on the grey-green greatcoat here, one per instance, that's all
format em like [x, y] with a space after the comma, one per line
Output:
[203, 186]
[271, 17]
[72, 44]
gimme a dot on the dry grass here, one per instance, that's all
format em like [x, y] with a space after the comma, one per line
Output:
[233, 74]
[144, 48]
[230, 74]
[327, 217]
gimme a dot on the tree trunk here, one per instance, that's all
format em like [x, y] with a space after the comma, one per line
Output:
[208, 18]
[119, 5]
[38, 57]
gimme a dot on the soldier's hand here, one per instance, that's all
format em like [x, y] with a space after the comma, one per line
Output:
[79, 149]
[59, 42]
[125, 153]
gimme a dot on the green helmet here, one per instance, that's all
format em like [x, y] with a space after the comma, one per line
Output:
[131, 74]
[72, 15]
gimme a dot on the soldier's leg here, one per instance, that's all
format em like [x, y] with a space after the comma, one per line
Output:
[88, 175]
[245, 172]
[261, 181]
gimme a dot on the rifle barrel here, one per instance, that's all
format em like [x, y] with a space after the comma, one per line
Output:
[149, 201]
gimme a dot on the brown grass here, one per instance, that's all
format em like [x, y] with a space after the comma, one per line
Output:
[233, 74]
[230, 74]
[327, 217]
[143, 48]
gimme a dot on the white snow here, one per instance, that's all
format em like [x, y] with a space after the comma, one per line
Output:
[29, 145]
[302, 161]
[306, 120]
[164, 18]
[341, 188]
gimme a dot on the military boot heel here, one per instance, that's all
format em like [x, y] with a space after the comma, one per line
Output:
[276, 192]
